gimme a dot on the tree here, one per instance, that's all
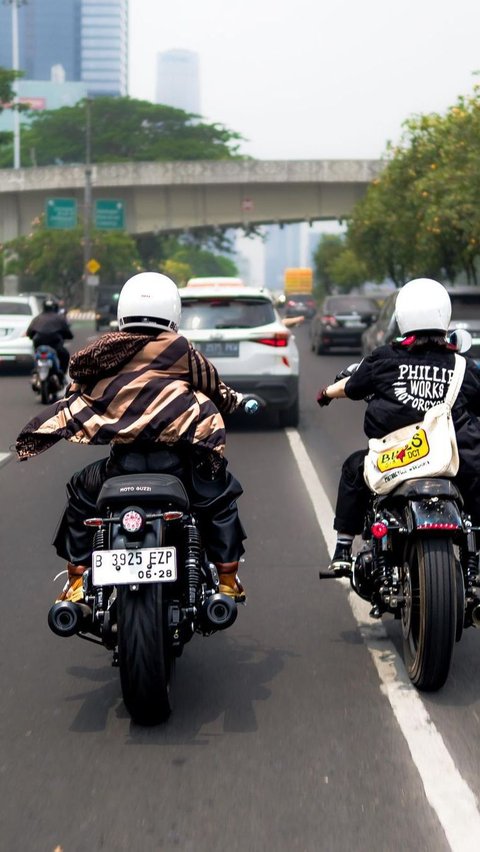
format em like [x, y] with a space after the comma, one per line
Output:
[52, 260]
[329, 248]
[125, 130]
[198, 262]
[7, 95]
[421, 216]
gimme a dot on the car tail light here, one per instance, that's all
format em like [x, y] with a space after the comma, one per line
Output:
[329, 320]
[274, 340]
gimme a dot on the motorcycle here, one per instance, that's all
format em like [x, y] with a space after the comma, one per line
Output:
[419, 563]
[47, 377]
[150, 587]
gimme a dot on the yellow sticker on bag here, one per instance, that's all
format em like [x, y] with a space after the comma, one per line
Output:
[402, 455]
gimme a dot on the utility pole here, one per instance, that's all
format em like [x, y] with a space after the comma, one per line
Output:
[87, 202]
[15, 67]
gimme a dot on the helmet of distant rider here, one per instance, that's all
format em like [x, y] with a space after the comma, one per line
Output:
[50, 305]
[423, 305]
[151, 300]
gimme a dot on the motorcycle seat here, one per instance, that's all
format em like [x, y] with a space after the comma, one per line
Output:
[145, 488]
[432, 487]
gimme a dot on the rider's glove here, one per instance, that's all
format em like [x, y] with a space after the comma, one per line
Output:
[322, 398]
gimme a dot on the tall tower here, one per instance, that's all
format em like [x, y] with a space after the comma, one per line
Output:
[104, 46]
[88, 38]
[178, 80]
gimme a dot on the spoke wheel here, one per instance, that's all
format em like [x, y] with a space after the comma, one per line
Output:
[429, 615]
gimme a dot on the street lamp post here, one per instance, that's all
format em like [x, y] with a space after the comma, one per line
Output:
[87, 201]
[15, 67]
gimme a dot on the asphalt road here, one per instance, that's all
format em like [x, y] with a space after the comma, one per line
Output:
[283, 736]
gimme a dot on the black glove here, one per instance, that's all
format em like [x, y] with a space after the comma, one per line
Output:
[322, 398]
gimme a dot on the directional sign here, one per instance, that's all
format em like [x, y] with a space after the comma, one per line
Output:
[61, 213]
[109, 215]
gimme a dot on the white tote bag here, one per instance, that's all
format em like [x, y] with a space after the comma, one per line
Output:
[427, 448]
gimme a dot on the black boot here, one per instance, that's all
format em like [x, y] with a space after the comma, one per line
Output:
[340, 563]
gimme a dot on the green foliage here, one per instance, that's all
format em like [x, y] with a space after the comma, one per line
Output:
[194, 261]
[7, 79]
[52, 260]
[421, 216]
[124, 130]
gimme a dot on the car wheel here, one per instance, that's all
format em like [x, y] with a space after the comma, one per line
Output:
[290, 416]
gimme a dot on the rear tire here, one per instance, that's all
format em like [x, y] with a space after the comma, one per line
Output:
[45, 392]
[145, 658]
[430, 613]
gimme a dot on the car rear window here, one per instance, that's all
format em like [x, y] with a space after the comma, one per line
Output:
[225, 313]
[19, 308]
[465, 307]
[347, 305]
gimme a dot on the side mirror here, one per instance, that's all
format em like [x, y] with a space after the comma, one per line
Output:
[461, 338]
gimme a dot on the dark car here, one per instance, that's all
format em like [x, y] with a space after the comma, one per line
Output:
[341, 322]
[300, 305]
[465, 314]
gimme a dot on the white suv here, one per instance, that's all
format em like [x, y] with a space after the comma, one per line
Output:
[239, 330]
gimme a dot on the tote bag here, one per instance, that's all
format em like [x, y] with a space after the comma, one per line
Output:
[427, 448]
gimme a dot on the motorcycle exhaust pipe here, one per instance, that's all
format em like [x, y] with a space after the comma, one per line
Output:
[476, 615]
[219, 611]
[66, 618]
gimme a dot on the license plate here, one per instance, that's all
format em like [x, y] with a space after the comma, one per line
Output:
[220, 348]
[148, 565]
[7, 357]
[354, 324]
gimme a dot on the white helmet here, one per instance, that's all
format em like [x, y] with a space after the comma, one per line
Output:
[149, 299]
[423, 305]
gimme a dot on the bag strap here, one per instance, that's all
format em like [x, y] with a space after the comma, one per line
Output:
[457, 379]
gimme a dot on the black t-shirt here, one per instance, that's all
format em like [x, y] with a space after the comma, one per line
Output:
[49, 329]
[404, 383]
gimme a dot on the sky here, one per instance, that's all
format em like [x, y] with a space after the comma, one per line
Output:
[307, 79]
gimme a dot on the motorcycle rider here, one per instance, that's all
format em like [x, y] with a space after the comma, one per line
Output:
[158, 402]
[400, 381]
[51, 329]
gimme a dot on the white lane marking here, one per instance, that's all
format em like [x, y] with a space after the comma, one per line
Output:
[4, 457]
[448, 794]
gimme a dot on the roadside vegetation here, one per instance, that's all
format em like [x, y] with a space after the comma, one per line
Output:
[421, 216]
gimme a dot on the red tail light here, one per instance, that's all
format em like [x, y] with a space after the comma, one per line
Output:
[274, 340]
[438, 527]
[379, 529]
[328, 320]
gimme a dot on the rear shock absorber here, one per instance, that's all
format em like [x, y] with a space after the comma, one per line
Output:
[193, 555]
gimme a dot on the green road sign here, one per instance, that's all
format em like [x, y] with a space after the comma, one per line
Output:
[109, 215]
[61, 213]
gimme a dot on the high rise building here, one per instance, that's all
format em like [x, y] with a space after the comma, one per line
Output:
[282, 250]
[178, 80]
[88, 38]
[104, 46]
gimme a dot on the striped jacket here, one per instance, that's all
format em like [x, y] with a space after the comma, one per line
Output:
[136, 387]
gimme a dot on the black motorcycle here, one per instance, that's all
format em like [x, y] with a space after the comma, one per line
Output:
[420, 563]
[150, 587]
[47, 377]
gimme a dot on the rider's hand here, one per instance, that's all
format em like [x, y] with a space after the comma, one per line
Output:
[322, 398]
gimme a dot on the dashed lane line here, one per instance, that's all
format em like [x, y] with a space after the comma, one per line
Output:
[448, 794]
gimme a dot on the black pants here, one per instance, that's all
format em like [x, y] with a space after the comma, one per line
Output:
[353, 494]
[213, 493]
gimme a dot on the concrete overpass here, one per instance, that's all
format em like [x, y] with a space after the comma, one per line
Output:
[176, 196]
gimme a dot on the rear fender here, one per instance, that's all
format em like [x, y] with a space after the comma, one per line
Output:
[433, 515]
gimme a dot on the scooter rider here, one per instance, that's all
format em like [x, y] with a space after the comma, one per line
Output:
[400, 381]
[157, 401]
[51, 329]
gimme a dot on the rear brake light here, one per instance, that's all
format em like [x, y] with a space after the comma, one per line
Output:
[274, 340]
[438, 526]
[328, 320]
